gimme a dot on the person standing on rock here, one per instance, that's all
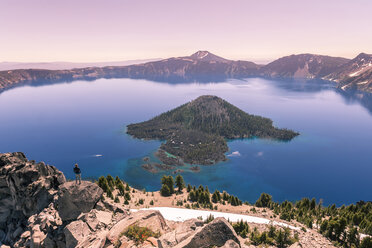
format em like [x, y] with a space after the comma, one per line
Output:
[77, 172]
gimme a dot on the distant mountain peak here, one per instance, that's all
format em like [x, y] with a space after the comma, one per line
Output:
[364, 56]
[207, 56]
[200, 54]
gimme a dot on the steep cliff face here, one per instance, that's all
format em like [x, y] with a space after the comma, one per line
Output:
[26, 188]
[36, 202]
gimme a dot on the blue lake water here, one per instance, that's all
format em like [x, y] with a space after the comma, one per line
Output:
[66, 123]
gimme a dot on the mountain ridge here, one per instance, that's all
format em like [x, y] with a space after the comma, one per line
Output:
[205, 66]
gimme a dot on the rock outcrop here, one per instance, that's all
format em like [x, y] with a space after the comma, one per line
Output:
[151, 219]
[74, 199]
[216, 233]
[38, 208]
[26, 188]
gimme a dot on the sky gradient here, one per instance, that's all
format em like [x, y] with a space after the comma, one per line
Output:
[114, 30]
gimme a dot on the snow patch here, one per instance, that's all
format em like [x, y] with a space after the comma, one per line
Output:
[181, 214]
[364, 67]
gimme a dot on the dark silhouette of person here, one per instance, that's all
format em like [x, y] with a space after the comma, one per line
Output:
[77, 172]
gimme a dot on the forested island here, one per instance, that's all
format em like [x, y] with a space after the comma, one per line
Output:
[196, 132]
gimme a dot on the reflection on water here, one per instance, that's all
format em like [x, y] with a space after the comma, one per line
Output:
[85, 122]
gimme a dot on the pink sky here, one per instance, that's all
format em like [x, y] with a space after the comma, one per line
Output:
[113, 30]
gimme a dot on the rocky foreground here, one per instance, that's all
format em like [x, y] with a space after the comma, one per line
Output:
[39, 208]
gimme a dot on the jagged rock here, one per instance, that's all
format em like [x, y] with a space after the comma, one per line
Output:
[37, 237]
[183, 231]
[231, 244]
[26, 188]
[48, 242]
[153, 241]
[96, 240]
[151, 219]
[111, 206]
[97, 219]
[76, 232]
[26, 234]
[74, 199]
[217, 233]
[17, 232]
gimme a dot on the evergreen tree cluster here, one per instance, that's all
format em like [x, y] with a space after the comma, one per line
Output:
[108, 184]
[200, 195]
[341, 225]
[280, 238]
[167, 185]
[241, 228]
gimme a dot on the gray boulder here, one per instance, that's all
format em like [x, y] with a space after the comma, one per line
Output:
[76, 232]
[231, 244]
[216, 233]
[182, 231]
[74, 199]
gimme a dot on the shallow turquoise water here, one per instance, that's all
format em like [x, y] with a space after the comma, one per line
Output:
[73, 122]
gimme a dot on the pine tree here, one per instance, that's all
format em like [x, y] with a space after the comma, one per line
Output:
[102, 183]
[127, 196]
[168, 180]
[188, 188]
[110, 181]
[180, 183]
[164, 191]
[117, 181]
[264, 200]
[121, 188]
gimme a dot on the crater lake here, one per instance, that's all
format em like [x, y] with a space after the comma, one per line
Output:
[85, 122]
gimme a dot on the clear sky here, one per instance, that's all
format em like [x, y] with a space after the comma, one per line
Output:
[113, 30]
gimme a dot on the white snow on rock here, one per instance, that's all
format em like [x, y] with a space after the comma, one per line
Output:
[182, 214]
[364, 67]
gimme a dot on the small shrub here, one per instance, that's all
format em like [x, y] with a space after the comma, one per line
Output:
[152, 202]
[139, 234]
[141, 201]
[210, 218]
